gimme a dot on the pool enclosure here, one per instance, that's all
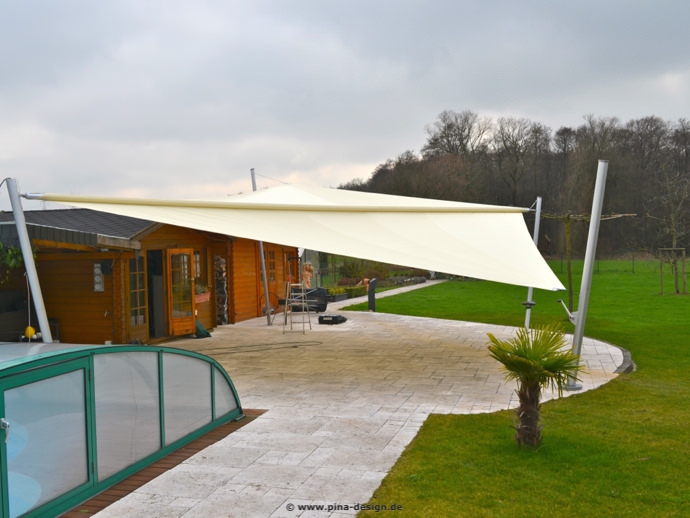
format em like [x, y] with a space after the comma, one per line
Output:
[77, 419]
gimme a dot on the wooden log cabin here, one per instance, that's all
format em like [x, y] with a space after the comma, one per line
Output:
[115, 279]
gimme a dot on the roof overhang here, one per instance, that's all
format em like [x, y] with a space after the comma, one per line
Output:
[51, 237]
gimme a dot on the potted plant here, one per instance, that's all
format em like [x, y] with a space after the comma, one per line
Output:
[336, 294]
[10, 259]
[201, 293]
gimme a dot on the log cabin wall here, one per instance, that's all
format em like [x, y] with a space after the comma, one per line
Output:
[170, 237]
[14, 311]
[82, 314]
[247, 292]
[245, 278]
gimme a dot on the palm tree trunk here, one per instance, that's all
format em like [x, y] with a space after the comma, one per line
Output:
[528, 431]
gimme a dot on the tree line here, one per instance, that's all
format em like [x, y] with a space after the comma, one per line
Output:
[511, 161]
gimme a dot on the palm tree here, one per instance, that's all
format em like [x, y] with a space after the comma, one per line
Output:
[536, 359]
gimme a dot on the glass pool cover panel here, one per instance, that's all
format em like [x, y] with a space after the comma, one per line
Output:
[78, 418]
[186, 395]
[46, 449]
[127, 409]
[225, 399]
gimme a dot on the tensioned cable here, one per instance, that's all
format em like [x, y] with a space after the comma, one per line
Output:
[274, 179]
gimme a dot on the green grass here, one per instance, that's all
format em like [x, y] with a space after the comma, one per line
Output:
[620, 450]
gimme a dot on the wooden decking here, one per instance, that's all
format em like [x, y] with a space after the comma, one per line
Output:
[114, 493]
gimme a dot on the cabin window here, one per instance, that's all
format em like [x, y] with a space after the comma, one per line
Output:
[197, 265]
[200, 274]
[137, 292]
[98, 282]
[270, 261]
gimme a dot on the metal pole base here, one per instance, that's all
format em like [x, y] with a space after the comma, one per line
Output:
[573, 387]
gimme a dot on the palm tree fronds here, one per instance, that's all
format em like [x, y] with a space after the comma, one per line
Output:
[536, 359]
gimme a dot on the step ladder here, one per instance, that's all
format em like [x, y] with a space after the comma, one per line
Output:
[296, 300]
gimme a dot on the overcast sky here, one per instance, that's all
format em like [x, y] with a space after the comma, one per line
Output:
[181, 99]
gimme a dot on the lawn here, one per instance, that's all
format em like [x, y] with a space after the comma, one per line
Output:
[620, 450]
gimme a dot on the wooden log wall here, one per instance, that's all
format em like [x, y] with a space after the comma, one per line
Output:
[245, 277]
[83, 315]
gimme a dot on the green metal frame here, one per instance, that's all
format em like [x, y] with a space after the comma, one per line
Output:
[47, 372]
[25, 371]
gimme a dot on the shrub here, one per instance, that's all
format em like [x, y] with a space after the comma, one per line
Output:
[379, 275]
[352, 268]
[356, 291]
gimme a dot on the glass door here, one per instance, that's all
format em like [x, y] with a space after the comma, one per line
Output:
[181, 291]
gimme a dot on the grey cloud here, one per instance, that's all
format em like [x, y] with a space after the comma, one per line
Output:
[95, 95]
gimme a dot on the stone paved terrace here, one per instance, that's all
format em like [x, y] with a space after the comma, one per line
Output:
[342, 402]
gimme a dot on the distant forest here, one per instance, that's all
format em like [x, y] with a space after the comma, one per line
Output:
[511, 161]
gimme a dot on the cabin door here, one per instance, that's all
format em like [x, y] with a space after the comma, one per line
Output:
[181, 291]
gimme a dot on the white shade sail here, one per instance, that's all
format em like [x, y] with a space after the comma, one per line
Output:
[480, 241]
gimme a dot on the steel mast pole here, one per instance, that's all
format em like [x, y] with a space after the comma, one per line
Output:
[267, 307]
[590, 253]
[29, 264]
[529, 302]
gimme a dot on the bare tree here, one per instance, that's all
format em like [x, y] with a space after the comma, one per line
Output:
[354, 185]
[539, 156]
[446, 177]
[510, 144]
[599, 134]
[456, 133]
[508, 160]
[649, 139]
[680, 140]
[443, 177]
[673, 199]
[596, 139]
[672, 175]
[564, 145]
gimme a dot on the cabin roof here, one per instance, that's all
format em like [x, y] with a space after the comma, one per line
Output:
[78, 227]
[84, 220]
